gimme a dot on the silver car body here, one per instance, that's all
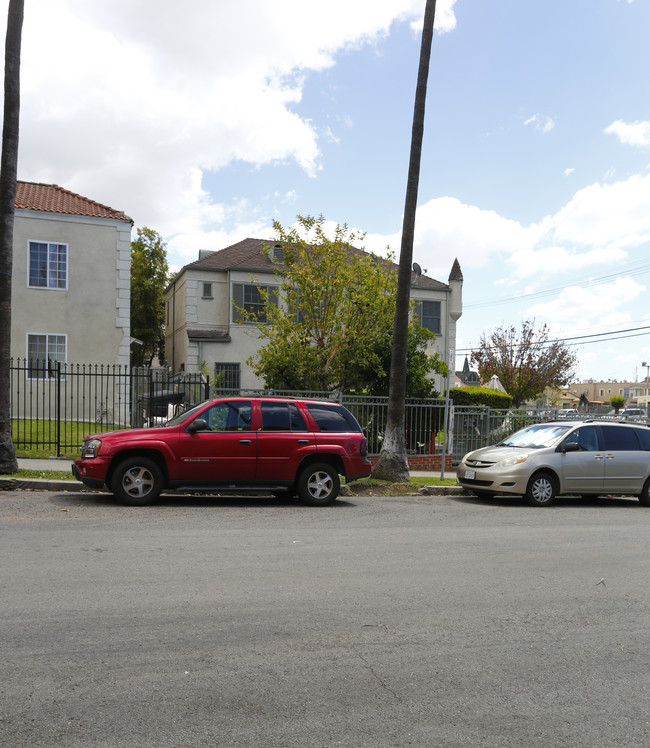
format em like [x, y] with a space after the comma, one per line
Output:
[577, 457]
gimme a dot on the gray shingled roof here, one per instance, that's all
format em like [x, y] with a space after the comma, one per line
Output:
[247, 255]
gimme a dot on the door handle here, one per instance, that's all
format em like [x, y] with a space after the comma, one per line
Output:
[245, 441]
[303, 441]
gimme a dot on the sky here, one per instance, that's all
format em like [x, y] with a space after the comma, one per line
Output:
[207, 121]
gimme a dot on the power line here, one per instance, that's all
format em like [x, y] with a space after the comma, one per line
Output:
[584, 338]
[632, 270]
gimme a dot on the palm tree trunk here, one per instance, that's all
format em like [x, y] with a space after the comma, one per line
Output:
[393, 463]
[8, 177]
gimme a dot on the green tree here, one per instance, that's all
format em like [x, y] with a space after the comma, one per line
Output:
[393, 463]
[8, 178]
[525, 362]
[617, 402]
[149, 276]
[333, 331]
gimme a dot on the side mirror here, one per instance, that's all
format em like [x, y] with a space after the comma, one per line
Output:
[198, 424]
[570, 447]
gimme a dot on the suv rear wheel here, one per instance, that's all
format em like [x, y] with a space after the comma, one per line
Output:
[137, 481]
[318, 484]
[644, 496]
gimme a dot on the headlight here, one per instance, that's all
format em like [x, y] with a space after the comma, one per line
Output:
[91, 448]
[514, 460]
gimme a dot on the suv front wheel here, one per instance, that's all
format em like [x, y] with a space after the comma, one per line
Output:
[318, 484]
[137, 481]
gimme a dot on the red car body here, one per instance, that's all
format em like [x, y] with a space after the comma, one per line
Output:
[276, 445]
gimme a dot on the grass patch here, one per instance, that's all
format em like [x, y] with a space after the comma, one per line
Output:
[372, 487]
[41, 474]
[38, 439]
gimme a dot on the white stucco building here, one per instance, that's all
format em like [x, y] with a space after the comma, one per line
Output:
[71, 279]
[202, 320]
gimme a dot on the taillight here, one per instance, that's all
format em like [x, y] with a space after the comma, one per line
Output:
[363, 447]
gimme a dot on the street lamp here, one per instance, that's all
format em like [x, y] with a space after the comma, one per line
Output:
[647, 375]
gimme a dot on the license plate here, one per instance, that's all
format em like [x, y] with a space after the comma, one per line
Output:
[470, 474]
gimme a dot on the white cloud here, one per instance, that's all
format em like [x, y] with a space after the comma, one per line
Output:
[607, 215]
[131, 106]
[631, 133]
[541, 122]
[568, 172]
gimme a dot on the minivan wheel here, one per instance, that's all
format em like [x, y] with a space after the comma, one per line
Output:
[137, 481]
[541, 490]
[644, 496]
[318, 484]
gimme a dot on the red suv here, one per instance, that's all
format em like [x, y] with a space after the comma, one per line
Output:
[247, 444]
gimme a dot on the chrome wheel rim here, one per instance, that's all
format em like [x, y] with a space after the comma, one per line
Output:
[320, 485]
[137, 482]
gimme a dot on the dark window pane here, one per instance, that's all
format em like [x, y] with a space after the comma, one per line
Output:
[618, 438]
[275, 417]
[333, 418]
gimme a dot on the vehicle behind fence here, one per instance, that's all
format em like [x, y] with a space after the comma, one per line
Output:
[54, 405]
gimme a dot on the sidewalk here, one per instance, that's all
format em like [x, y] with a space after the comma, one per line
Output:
[63, 466]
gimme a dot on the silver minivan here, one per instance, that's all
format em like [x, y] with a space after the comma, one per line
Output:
[542, 461]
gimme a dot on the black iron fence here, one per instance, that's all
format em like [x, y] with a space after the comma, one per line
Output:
[54, 405]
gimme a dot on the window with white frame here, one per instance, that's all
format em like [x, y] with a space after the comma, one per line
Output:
[427, 314]
[250, 302]
[48, 265]
[43, 351]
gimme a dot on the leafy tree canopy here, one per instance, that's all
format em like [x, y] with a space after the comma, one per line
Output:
[617, 402]
[334, 329]
[526, 361]
[149, 276]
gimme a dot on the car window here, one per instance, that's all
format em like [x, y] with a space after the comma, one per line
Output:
[333, 418]
[586, 437]
[233, 415]
[619, 438]
[540, 435]
[644, 438]
[279, 416]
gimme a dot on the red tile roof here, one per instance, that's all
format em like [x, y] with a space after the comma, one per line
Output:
[51, 198]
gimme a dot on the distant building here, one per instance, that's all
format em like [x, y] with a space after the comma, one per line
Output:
[467, 377]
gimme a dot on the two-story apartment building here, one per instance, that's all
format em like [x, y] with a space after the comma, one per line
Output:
[71, 279]
[203, 322]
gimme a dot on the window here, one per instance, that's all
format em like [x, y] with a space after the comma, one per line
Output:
[333, 418]
[48, 265]
[586, 438]
[227, 376]
[207, 291]
[250, 302]
[42, 352]
[279, 416]
[619, 438]
[230, 416]
[427, 313]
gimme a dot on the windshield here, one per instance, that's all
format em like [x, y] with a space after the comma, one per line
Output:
[180, 417]
[536, 437]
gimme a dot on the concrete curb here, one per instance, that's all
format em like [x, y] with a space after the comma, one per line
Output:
[43, 484]
[40, 484]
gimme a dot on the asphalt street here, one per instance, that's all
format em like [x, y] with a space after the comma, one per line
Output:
[410, 621]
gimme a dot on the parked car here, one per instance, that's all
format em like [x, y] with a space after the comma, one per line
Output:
[568, 413]
[633, 414]
[546, 460]
[246, 444]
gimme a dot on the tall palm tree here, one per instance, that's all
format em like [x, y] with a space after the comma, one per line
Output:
[393, 464]
[8, 176]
